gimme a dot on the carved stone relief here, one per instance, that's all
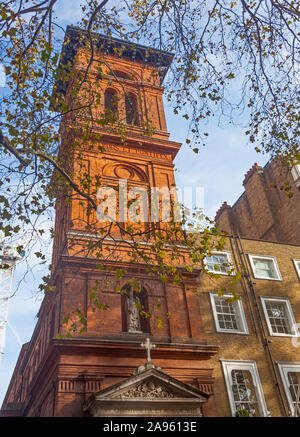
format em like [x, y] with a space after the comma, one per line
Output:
[148, 390]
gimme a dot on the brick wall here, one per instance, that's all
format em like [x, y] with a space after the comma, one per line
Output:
[254, 346]
[264, 211]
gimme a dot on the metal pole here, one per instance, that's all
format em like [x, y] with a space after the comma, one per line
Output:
[6, 280]
[8, 258]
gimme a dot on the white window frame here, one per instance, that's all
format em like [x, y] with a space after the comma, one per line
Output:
[266, 257]
[218, 272]
[284, 368]
[296, 172]
[241, 319]
[292, 322]
[250, 365]
[297, 266]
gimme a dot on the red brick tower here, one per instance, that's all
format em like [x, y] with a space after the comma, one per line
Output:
[55, 374]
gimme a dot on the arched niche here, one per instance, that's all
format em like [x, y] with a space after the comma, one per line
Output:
[124, 171]
[134, 307]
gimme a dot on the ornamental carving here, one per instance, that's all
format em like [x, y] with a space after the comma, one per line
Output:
[124, 171]
[148, 390]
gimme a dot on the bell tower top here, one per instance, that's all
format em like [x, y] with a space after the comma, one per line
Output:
[108, 45]
[114, 129]
[127, 78]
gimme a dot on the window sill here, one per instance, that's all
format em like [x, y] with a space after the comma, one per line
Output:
[284, 335]
[229, 331]
[221, 273]
[267, 279]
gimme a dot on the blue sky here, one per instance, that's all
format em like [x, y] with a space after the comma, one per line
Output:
[219, 168]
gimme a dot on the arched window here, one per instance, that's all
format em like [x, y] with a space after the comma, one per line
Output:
[134, 309]
[131, 106]
[111, 105]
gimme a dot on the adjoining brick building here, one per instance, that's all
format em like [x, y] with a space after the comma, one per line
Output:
[266, 210]
[213, 357]
[257, 335]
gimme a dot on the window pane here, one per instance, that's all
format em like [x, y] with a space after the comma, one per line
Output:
[244, 393]
[227, 314]
[296, 171]
[294, 386]
[278, 317]
[264, 268]
[218, 263]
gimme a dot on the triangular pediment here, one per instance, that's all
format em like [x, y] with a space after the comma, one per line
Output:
[145, 388]
[152, 384]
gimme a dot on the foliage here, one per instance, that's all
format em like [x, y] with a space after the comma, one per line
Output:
[230, 58]
[242, 413]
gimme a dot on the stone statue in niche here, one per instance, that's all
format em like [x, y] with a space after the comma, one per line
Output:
[134, 321]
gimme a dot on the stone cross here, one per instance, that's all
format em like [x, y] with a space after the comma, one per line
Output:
[148, 346]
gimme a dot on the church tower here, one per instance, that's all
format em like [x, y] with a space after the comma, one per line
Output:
[94, 317]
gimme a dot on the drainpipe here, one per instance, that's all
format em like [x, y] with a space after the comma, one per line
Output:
[244, 286]
[265, 337]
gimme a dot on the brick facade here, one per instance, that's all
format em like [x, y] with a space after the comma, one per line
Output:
[265, 210]
[59, 374]
[265, 349]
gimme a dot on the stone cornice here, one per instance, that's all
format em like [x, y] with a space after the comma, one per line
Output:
[133, 139]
